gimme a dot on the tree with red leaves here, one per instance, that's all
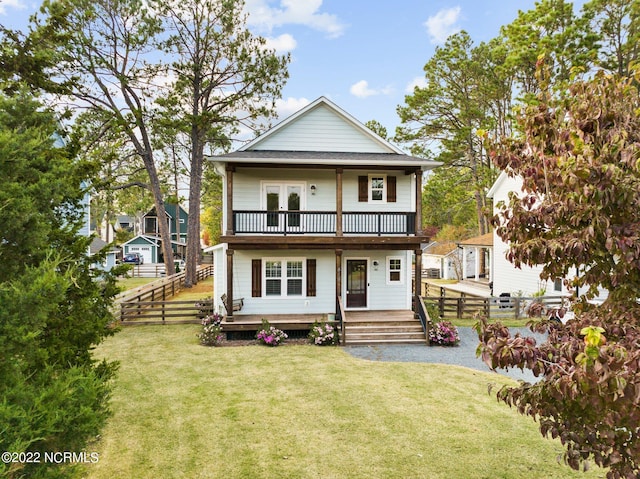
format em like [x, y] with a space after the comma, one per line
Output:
[579, 158]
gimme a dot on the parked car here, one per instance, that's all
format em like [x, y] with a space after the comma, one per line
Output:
[135, 258]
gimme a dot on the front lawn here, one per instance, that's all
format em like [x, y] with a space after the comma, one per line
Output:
[182, 410]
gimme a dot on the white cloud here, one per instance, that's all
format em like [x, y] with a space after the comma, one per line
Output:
[361, 89]
[282, 44]
[420, 82]
[4, 4]
[293, 12]
[286, 107]
[443, 24]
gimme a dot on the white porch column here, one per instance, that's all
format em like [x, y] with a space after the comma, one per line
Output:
[464, 262]
[478, 252]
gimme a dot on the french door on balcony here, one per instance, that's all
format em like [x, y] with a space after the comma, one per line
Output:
[282, 201]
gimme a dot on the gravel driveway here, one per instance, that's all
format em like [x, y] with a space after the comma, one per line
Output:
[462, 355]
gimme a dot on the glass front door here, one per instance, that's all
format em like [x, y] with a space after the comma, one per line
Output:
[356, 283]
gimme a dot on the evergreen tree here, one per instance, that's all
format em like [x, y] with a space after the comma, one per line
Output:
[54, 307]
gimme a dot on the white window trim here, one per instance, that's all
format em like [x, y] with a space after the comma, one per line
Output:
[384, 189]
[283, 187]
[388, 269]
[283, 278]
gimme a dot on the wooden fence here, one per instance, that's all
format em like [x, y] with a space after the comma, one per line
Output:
[492, 308]
[150, 303]
[161, 312]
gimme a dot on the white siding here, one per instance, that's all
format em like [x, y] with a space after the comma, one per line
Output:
[321, 129]
[323, 303]
[403, 201]
[380, 294]
[219, 276]
[247, 194]
[506, 277]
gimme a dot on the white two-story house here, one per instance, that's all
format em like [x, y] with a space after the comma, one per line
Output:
[319, 212]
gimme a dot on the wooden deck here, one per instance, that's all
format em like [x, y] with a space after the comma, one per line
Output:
[361, 327]
[291, 322]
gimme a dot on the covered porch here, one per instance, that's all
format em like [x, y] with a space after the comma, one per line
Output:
[354, 327]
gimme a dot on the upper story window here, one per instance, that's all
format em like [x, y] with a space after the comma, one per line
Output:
[377, 188]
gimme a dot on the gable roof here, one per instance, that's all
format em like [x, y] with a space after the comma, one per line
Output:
[148, 239]
[322, 133]
[170, 211]
[497, 184]
[323, 112]
[483, 240]
[441, 248]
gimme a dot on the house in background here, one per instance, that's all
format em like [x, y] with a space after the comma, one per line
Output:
[319, 211]
[526, 280]
[444, 257]
[176, 218]
[506, 277]
[477, 253]
[148, 243]
[97, 246]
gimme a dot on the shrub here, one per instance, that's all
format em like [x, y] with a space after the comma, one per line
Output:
[270, 335]
[323, 334]
[444, 333]
[205, 307]
[211, 334]
[432, 310]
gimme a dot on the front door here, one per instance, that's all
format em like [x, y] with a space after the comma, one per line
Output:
[356, 283]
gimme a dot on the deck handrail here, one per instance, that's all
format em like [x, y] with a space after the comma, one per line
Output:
[423, 314]
[341, 317]
[323, 222]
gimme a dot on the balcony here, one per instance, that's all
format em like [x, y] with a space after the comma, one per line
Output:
[323, 223]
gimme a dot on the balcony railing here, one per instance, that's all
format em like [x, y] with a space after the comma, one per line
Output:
[323, 222]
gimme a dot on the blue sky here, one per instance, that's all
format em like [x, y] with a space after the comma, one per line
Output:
[363, 55]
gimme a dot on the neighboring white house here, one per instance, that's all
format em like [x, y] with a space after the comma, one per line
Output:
[319, 207]
[446, 257]
[506, 277]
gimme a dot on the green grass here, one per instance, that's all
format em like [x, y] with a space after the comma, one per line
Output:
[515, 323]
[182, 410]
[132, 283]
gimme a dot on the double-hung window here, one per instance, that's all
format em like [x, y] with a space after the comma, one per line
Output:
[377, 188]
[284, 277]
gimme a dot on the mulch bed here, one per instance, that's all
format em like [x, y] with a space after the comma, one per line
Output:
[254, 342]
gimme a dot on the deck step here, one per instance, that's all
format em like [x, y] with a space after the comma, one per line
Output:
[364, 329]
[386, 328]
[372, 342]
